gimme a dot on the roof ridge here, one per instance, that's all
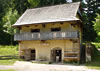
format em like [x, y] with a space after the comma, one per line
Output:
[54, 5]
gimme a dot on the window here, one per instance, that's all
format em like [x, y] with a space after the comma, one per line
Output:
[35, 30]
[55, 29]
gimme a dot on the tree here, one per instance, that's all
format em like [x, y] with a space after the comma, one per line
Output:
[9, 19]
[21, 5]
[41, 3]
[91, 7]
[97, 27]
[51, 2]
[34, 3]
[97, 23]
[4, 37]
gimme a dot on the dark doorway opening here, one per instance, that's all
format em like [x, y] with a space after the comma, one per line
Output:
[33, 54]
[56, 55]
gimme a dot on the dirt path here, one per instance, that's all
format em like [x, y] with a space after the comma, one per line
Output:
[27, 66]
[4, 67]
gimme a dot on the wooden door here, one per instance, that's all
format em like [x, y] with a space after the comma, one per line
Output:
[33, 52]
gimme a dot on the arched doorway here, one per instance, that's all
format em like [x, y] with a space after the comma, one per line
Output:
[56, 54]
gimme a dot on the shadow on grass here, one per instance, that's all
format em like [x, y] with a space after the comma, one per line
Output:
[9, 60]
[8, 57]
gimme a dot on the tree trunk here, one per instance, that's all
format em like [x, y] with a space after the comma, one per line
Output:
[11, 39]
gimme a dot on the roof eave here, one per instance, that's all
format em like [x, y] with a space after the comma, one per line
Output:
[42, 23]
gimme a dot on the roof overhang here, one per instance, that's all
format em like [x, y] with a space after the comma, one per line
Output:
[47, 21]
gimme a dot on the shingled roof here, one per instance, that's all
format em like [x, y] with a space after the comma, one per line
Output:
[56, 13]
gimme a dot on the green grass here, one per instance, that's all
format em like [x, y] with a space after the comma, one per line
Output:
[95, 64]
[7, 70]
[8, 61]
[6, 51]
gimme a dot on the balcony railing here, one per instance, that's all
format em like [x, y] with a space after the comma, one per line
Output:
[46, 36]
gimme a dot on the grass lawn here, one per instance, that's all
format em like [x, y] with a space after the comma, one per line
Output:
[6, 51]
[8, 61]
[95, 64]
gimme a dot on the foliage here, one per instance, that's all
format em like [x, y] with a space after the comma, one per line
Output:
[97, 45]
[34, 3]
[50, 2]
[91, 7]
[10, 10]
[97, 27]
[21, 6]
[97, 23]
[4, 37]
[9, 19]
[9, 13]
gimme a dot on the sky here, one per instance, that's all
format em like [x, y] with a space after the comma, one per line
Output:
[71, 0]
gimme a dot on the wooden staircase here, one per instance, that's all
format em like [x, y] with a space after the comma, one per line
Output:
[71, 56]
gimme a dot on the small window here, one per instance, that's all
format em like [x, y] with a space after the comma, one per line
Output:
[55, 29]
[35, 30]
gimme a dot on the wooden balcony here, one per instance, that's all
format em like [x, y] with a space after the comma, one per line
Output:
[46, 36]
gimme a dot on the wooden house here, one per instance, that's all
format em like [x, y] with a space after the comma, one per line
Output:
[50, 33]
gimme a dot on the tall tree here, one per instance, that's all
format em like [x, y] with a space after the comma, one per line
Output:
[9, 19]
[97, 27]
[51, 2]
[4, 37]
[34, 3]
[91, 7]
[41, 3]
[21, 5]
[97, 23]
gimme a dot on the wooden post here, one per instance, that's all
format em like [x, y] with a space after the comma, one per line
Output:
[27, 54]
[88, 52]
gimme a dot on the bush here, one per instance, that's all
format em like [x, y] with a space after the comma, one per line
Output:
[97, 45]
